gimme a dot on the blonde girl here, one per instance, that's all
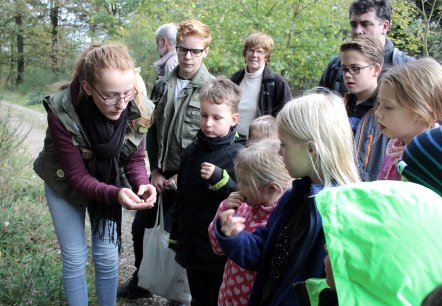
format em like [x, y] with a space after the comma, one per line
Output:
[262, 179]
[316, 146]
[409, 103]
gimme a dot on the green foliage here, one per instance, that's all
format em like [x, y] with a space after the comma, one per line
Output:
[40, 80]
[406, 29]
[303, 42]
[307, 33]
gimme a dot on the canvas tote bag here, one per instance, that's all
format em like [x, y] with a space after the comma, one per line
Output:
[159, 272]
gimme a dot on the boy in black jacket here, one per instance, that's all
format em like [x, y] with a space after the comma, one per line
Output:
[205, 179]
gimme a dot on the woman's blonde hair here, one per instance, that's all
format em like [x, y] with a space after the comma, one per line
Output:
[260, 164]
[418, 87]
[320, 120]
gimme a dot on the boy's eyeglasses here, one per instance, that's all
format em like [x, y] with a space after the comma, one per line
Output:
[352, 70]
[115, 100]
[193, 52]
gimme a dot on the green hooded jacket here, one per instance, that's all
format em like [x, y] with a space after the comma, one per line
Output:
[384, 241]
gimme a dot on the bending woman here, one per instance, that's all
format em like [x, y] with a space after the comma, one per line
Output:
[93, 157]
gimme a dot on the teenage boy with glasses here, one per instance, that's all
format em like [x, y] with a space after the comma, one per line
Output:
[361, 64]
[176, 122]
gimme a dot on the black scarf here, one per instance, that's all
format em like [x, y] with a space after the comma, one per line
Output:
[107, 138]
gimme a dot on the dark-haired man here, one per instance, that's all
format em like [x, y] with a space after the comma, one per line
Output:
[371, 18]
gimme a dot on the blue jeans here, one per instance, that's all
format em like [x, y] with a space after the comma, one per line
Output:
[69, 223]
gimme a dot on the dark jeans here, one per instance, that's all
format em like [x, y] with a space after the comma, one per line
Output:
[146, 219]
[204, 287]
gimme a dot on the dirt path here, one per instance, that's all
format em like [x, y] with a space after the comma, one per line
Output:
[34, 123]
[27, 121]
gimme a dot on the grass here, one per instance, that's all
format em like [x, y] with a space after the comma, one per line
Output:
[30, 263]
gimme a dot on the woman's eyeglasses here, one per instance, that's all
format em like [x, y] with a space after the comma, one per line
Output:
[115, 100]
[252, 51]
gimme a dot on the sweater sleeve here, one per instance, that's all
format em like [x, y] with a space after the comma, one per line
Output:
[212, 237]
[135, 168]
[245, 249]
[73, 166]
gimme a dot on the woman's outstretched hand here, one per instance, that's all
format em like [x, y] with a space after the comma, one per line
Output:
[145, 198]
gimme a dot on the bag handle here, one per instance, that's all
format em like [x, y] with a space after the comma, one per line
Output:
[159, 220]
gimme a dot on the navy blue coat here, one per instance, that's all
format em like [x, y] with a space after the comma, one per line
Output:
[252, 250]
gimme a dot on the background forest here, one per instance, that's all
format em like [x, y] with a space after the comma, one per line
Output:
[40, 39]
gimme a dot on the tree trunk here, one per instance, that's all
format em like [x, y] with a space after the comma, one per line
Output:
[54, 33]
[20, 54]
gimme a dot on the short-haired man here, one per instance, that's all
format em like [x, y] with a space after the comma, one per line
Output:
[371, 18]
[166, 47]
[176, 122]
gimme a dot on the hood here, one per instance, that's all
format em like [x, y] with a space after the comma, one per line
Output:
[384, 241]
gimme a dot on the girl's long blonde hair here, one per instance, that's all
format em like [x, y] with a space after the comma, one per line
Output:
[320, 120]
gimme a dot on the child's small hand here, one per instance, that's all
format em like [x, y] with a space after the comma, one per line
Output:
[207, 170]
[234, 200]
[231, 225]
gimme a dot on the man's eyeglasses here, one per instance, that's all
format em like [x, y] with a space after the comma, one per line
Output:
[352, 70]
[193, 52]
[115, 100]
[252, 51]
